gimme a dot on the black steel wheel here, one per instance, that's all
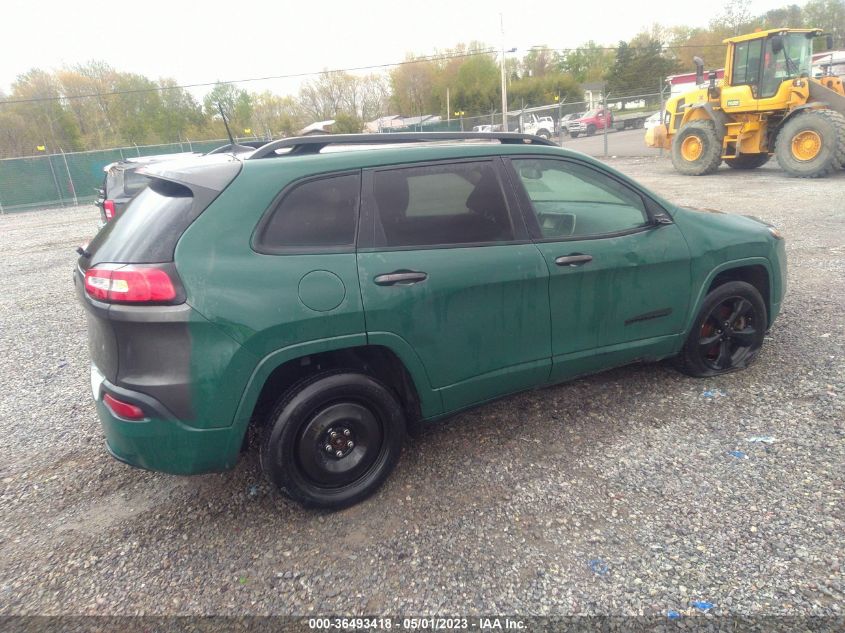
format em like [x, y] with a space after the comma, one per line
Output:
[332, 440]
[728, 333]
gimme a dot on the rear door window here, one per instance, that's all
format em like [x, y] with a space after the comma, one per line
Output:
[449, 204]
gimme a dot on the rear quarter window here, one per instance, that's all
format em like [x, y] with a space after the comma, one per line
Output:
[317, 214]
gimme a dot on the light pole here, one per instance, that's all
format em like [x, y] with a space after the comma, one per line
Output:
[504, 78]
[461, 113]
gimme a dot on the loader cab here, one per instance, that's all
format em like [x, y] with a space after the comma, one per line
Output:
[759, 64]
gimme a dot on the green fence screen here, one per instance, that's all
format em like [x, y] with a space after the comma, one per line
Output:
[67, 179]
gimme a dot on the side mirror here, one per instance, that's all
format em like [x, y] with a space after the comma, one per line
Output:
[777, 44]
[699, 69]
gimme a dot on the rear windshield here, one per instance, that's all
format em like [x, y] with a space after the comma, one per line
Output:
[147, 231]
[133, 182]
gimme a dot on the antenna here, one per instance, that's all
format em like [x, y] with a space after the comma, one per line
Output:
[226, 123]
[233, 147]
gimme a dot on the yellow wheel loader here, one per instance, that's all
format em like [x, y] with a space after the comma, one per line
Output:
[767, 103]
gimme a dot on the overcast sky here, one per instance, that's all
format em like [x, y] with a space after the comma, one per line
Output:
[209, 40]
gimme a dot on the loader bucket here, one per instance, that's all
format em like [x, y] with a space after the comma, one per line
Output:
[831, 98]
[657, 137]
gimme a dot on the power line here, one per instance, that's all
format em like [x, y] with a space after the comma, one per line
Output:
[426, 58]
[240, 81]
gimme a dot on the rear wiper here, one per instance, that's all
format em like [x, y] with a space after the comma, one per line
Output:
[82, 252]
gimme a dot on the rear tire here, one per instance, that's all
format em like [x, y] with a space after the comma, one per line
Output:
[727, 333]
[747, 161]
[696, 150]
[811, 144]
[333, 439]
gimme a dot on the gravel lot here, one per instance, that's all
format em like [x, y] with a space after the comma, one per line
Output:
[616, 494]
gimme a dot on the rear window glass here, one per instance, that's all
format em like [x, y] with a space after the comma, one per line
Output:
[147, 231]
[316, 214]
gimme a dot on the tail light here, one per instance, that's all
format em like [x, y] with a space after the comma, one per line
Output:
[108, 209]
[130, 284]
[121, 409]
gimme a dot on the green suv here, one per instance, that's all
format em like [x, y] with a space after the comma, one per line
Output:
[334, 291]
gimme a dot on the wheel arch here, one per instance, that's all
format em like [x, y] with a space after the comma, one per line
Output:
[396, 366]
[705, 112]
[755, 270]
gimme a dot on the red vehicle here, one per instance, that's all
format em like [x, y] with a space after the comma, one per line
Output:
[590, 122]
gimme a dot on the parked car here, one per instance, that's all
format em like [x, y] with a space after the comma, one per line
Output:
[590, 122]
[331, 300]
[566, 118]
[541, 126]
[123, 180]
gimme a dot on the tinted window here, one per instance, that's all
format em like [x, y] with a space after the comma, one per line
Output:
[317, 213]
[746, 68]
[570, 200]
[460, 203]
[133, 182]
[147, 231]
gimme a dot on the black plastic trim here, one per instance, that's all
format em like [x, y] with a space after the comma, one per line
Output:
[648, 316]
[149, 404]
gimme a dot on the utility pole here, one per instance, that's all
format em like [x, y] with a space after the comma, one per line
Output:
[605, 115]
[504, 79]
[448, 111]
[662, 106]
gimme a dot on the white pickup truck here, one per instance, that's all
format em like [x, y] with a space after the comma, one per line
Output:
[542, 126]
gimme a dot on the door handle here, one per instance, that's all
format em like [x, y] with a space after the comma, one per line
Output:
[405, 278]
[573, 260]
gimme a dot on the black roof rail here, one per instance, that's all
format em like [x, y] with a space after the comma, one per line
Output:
[312, 144]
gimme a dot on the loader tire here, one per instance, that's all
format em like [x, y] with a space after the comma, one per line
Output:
[811, 144]
[696, 149]
[747, 161]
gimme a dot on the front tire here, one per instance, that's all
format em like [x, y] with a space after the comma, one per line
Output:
[747, 161]
[728, 332]
[544, 134]
[333, 440]
[811, 144]
[591, 129]
[696, 149]
[574, 134]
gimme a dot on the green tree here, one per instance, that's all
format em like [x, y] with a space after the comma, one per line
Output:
[589, 62]
[640, 68]
[236, 104]
[828, 15]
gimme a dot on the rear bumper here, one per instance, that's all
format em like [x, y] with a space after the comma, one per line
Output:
[162, 443]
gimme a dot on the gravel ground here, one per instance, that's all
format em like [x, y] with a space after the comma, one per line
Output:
[616, 494]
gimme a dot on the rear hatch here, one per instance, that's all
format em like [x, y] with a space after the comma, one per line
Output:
[123, 274]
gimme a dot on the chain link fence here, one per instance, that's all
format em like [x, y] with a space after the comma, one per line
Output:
[68, 179]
